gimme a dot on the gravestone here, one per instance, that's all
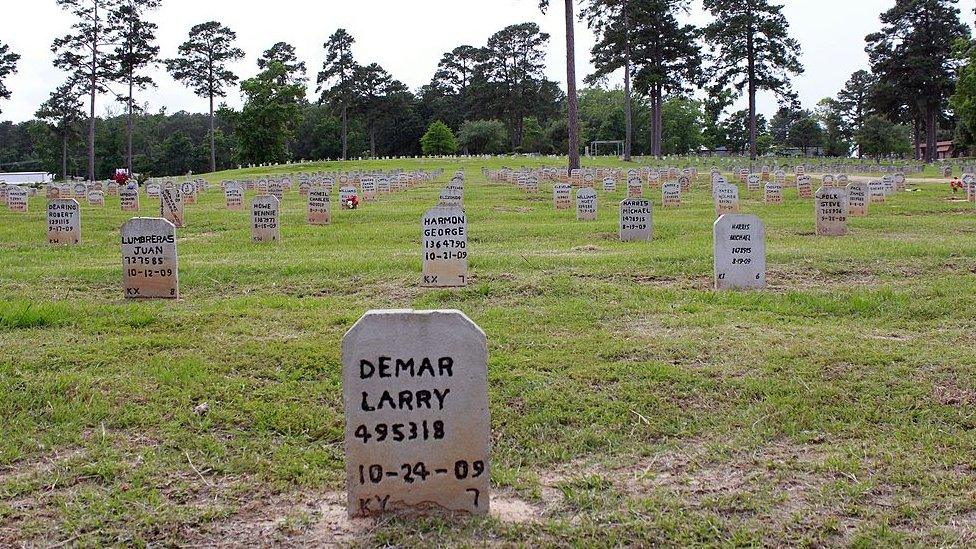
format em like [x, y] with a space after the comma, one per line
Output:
[96, 198]
[345, 197]
[451, 197]
[740, 252]
[726, 199]
[265, 212]
[900, 181]
[152, 190]
[754, 182]
[857, 199]
[129, 199]
[876, 192]
[81, 191]
[277, 189]
[368, 186]
[63, 221]
[671, 195]
[417, 434]
[831, 206]
[685, 183]
[635, 189]
[888, 183]
[319, 207]
[171, 207]
[234, 197]
[17, 198]
[609, 185]
[804, 186]
[586, 204]
[562, 197]
[445, 237]
[636, 221]
[188, 191]
[149, 264]
[773, 193]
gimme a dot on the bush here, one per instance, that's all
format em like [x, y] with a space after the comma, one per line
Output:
[483, 136]
[439, 139]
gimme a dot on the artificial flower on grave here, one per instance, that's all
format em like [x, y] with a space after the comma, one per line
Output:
[352, 202]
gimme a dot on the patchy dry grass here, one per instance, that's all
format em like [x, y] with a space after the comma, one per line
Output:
[631, 405]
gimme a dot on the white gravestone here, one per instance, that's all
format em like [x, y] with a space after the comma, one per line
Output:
[234, 197]
[609, 185]
[586, 204]
[831, 206]
[63, 221]
[876, 192]
[171, 207]
[740, 252]
[319, 207]
[635, 188]
[773, 193]
[445, 237]
[857, 199]
[562, 196]
[636, 220]
[418, 434]
[149, 263]
[17, 199]
[265, 212]
[129, 200]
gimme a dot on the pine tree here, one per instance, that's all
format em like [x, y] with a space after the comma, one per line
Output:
[63, 111]
[572, 97]
[335, 80]
[8, 66]
[83, 52]
[202, 66]
[913, 56]
[284, 53]
[751, 50]
[134, 50]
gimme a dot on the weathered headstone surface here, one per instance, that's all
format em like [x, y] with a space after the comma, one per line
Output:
[671, 195]
[740, 252]
[804, 186]
[96, 198]
[345, 196]
[149, 263]
[586, 204]
[445, 236]
[831, 205]
[80, 191]
[609, 185]
[562, 196]
[63, 221]
[368, 187]
[876, 192]
[17, 199]
[265, 213]
[726, 199]
[636, 222]
[635, 188]
[451, 197]
[415, 390]
[129, 199]
[188, 191]
[857, 199]
[754, 182]
[171, 207]
[234, 197]
[773, 193]
[319, 207]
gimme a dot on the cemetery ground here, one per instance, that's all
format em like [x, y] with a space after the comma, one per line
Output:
[630, 403]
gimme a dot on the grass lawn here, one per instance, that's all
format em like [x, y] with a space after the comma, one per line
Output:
[630, 404]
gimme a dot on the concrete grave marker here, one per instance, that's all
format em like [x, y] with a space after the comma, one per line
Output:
[188, 191]
[149, 264]
[368, 186]
[773, 193]
[636, 220]
[81, 191]
[17, 198]
[804, 186]
[671, 195]
[277, 189]
[265, 213]
[234, 197]
[857, 199]
[740, 252]
[417, 436]
[96, 198]
[63, 221]
[129, 199]
[445, 238]
[562, 196]
[831, 206]
[876, 191]
[171, 207]
[635, 188]
[726, 199]
[345, 197]
[319, 207]
[754, 182]
[586, 204]
[609, 185]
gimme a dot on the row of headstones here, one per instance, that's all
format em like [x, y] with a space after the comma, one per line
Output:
[444, 237]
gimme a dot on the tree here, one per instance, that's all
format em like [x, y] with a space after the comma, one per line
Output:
[738, 129]
[63, 111]
[271, 112]
[378, 96]
[284, 53]
[963, 101]
[8, 66]
[336, 81]
[682, 125]
[830, 114]
[752, 50]
[82, 53]
[572, 103]
[805, 133]
[483, 136]
[202, 66]
[610, 20]
[913, 53]
[438, 140]
[854, 102]
[880, 138]
[514, 62]
[134, 50]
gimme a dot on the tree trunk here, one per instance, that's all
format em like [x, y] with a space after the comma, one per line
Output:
[931, 136]
[213, 138]
[128, 131]
[751, 56]
[372, 141]
[917, 138]
[91, 119]
[628, 100]
[64, 155]
[572, 99]
[345, 133]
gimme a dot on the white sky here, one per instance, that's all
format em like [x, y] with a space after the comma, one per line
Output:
[407, 37]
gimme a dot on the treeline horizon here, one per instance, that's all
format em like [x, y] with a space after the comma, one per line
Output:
[680, 82]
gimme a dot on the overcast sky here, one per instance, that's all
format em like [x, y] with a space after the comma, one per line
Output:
[407, 38]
